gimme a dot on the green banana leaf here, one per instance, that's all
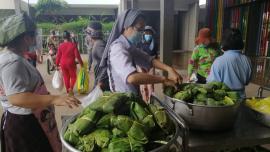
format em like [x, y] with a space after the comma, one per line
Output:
[119, 145]
[125, 145]
[122, 122]
[115, 101]
[105, 150]
[98, 104]
[105, 121]
[137, 111]
[70, 136]
[149, 122]
[137, 133]
[135, 146]
[161, 117]
[87, 143]
[102, 137]
[118, 133]
[142, 114]
[86, 123]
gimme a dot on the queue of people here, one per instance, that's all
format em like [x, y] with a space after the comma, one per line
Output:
[123, 63]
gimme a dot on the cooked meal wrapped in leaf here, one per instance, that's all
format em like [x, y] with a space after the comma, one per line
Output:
[118, 122]
[86, 123]
[161, 117]
[142, 114]
[125, 145]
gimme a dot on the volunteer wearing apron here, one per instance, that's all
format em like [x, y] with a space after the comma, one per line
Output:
[28, 123]
[121, 56]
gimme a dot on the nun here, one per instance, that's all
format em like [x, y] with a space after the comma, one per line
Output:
[121, 57]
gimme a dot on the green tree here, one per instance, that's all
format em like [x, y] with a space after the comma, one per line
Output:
[49, 6]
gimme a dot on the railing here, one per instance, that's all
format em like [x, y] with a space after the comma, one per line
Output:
[260, 70]
[80, 39]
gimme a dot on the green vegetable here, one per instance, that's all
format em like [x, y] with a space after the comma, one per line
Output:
[137, 133]
[182, 95]
[161, 117]
[233, 95]
[102, 137]
[228, 101]
[118, 133]
[86, 123]
[211, 102]
[219, 94]
[215, 85]
[169, 91]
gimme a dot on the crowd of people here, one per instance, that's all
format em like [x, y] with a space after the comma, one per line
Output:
[122, 64]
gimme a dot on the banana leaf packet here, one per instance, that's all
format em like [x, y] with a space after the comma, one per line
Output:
[120, 122]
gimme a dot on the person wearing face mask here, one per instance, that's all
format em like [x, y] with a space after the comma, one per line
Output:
[148, 43]
[203, 55]
[28, 122]
[121, 56]
[94, 32]
[149, 46]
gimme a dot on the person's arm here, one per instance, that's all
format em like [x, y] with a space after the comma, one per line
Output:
[31, 100]
[16, 85]
[193, 61]
[172, 74]
[138, 78]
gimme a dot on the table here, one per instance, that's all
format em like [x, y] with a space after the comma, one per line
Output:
[246, 132]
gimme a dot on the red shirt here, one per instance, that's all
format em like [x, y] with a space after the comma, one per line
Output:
[67, 53]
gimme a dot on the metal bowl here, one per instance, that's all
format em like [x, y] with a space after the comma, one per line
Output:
[258, 116]
[206, 118]
[172, 145]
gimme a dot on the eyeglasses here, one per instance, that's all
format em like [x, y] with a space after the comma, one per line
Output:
[139, 29]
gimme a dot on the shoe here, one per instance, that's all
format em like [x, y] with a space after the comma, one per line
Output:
[70, 92]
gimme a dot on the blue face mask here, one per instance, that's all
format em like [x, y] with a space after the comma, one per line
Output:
[148, 38]
[135, 38]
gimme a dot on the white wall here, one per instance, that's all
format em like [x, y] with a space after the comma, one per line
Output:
[7, 4]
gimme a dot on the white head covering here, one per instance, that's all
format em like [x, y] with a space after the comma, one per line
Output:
[124, 20]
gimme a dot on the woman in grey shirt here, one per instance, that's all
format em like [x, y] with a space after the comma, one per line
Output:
[94, 32]
[28, 123]
[121, 56]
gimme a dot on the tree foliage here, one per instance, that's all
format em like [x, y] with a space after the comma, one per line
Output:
[49, 6]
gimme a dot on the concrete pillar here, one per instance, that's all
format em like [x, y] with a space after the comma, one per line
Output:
[190, 28]
[123, 5]
[134, 3]
[166, 30]
[17, 5]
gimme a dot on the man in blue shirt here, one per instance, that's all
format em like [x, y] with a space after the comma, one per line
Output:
[232, 68]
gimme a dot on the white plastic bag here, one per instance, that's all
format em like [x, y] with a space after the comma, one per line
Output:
[57, 81]
[193, 78]
[92, 96]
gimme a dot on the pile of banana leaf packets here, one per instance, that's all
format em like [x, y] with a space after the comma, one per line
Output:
[120, 122]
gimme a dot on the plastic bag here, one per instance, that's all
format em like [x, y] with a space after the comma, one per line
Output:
[193, 78]
[83, 81]
[57, 81]
[92, 96]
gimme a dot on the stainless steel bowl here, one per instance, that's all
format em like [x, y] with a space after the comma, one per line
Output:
[259, 116]
[207, 118]
[172, 145]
